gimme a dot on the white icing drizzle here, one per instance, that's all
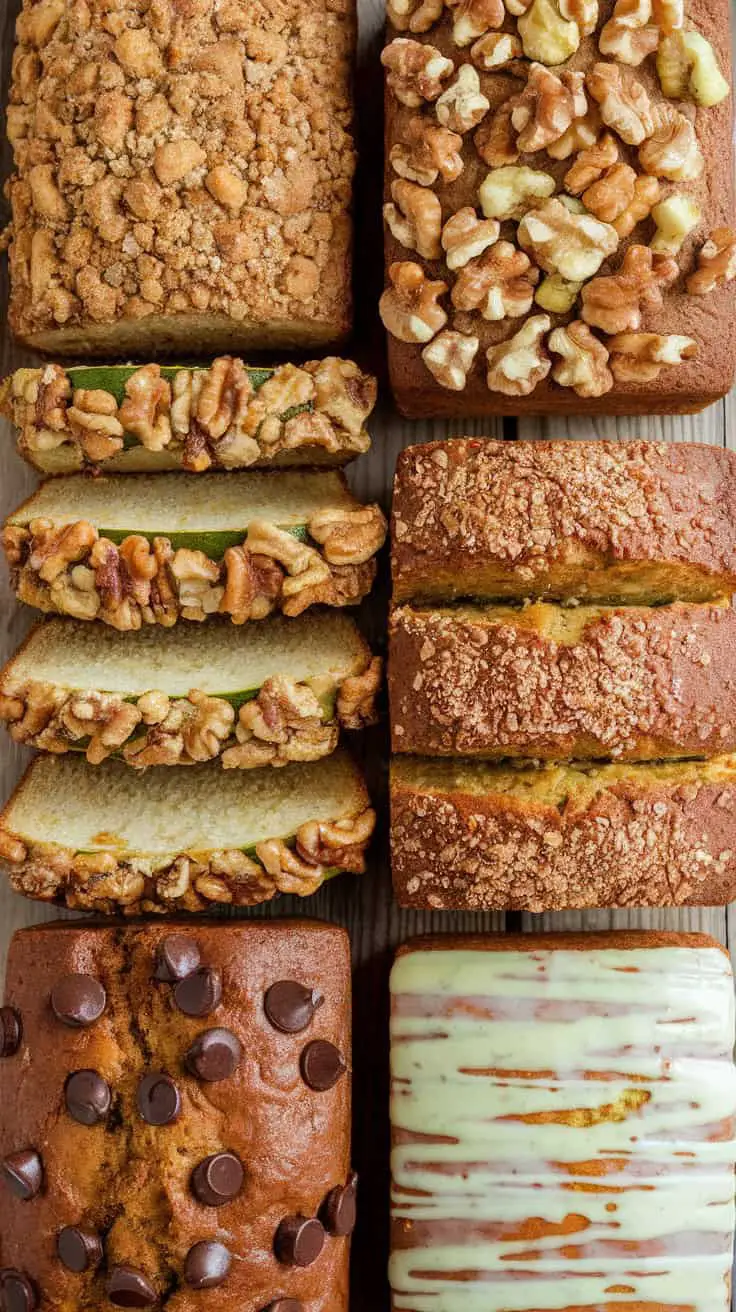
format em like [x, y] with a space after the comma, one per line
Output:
[617, 1186]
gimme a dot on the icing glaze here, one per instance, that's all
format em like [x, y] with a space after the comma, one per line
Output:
[563, 1129]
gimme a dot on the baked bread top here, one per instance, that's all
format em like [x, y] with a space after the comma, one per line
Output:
[248, 1071]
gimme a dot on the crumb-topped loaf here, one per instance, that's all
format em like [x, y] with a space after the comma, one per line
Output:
[177, 1118]
[560, 226]
[182, 175]
[562, 1111]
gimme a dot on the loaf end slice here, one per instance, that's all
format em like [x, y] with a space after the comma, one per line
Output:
[111, 839]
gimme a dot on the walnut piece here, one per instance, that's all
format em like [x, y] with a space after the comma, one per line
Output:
[415, 71]
[671, 150]
[508, 192]
[495, 51]
[624, 103]
[415, 218]
[356, 697]
[615, 302]
[640, 357]
[546, 107]
[462, 106]
[450, 357]
[409, 307]
[583, 366]
[646, 194]
[495, 139]
[675, 217]
[146, 406]
[427, 152]
[284, 722]
[516, 366]
[93, 420]
[339, 843]
[465, 237]
[473, 18]
[500, 283]
[574, 245]
[612, 193]
[556, 294]
[546, 35]
[631, 34]
[581, 134]
[590, 164]
[716, 263]
[349, 537]
[414, 15]
[688, 68]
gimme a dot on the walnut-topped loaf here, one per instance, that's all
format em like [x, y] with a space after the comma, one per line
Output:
[560, 222]
[182, 175]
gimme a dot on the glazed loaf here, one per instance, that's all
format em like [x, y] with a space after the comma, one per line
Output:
[560, 226]
[633, 522]
[182, 176]
[552, 682]
[176, 1125]
[563, 1112]
[477, 836]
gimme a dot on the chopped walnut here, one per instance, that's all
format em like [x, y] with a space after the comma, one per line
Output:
[640, 357]
[415, 71]
[462, 106]
[339, 843]
[252, 584]
[611, 194]
[646, 194]
[356, 697]
[344, 394]
[473, 18]
[688, 68]
[450, 357]
[414, 15]
[106, 720]
[574, 245]
[349, 537]
[427, 152]
[508, 192]
[495, 51]
[207, 727]
[284, 722]
[581, 134]
[671, 150]
[546, 107]
[589, 165]
[224, 395]
[623, 102]
[495, 139]
[716, 263]
[198, 579]
[54, 391]
[583, 366]
[409, 307]
[615, 302]
[630, 34]
[415, 218]
[516, 366]
[146, 406]
[546, 36]
[675, 217]
[94, 422]
[54, 549]
[289, 872]
[465, 236]
[556, 294]
[500, 283]
[583, 12]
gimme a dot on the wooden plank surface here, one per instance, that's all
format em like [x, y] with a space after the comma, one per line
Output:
[364, 906]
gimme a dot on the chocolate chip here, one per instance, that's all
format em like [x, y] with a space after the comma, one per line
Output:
[78, 1249]
[158, 1099]
[127, 1287]
[10, 1031]
[322, 1065]
[213, 1055]
[78, 1000]
[338, 1212]
[284, 1305]
[23, 1173]
[290, 1006]
[17, 1292]
[200, 992]
[218, 1179]
[299, 1240]
[177, 957]
[207, 1265]
[87, 1097]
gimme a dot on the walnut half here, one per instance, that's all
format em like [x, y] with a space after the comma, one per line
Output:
[450, 357]
[409, 307]
[573, 245]
[516, 366]
[583, 365]
[640, 357]
[615, 302]
[716, 263]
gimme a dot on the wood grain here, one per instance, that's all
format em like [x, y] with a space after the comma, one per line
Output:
[364, 906]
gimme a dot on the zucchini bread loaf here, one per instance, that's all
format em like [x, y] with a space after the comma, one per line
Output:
[182, 176]
[562, 1112]
[560, 223]
[176, 1127]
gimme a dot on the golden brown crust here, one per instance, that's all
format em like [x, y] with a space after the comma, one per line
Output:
[635, 684]
[182, 178]
[636, 841]
[610, 521]
[567, 940]
[130, 1181]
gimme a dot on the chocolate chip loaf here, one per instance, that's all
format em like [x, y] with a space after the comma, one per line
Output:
[560, 224]
[176, 1127]
[563, 1111]
[182, 176]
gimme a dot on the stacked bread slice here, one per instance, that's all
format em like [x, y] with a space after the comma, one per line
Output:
[263, 561]
[562, 675]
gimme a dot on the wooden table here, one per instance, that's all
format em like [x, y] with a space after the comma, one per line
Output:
[365, 905]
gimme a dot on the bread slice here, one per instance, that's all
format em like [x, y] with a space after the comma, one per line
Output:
[273, 693]
[173, 840]
[555, 683]
[140, 418]
[150, 549]
[478, 836]
[601, 521]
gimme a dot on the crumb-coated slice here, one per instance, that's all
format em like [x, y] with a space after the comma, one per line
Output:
[562, 1113]
[111, 839]
[633, 522]
[176, 1125]
[478, 836]
[553, 682]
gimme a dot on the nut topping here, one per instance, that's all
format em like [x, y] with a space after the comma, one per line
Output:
[687, 66]
[546, 35]
[463, 105]
[675, 217]
[516, 366]
[500, 283]
[415, 218]
[473, 18]
[589, 165]
[570, 244]
[450, 357]
[495, 140]
[671, 150]
[349, 537]
[615, 302]
[414, 15]
[409, 307]
[145, 408]
[630, 34]
[716, 263]
[427, 152]
[623, 101]
[495, 51]
[415, 71]
[546, 107]
[640, 357]
[582, 133]
[356, 696]
[465, 237]
[508, 192]
[556, 294]
[583, 366]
